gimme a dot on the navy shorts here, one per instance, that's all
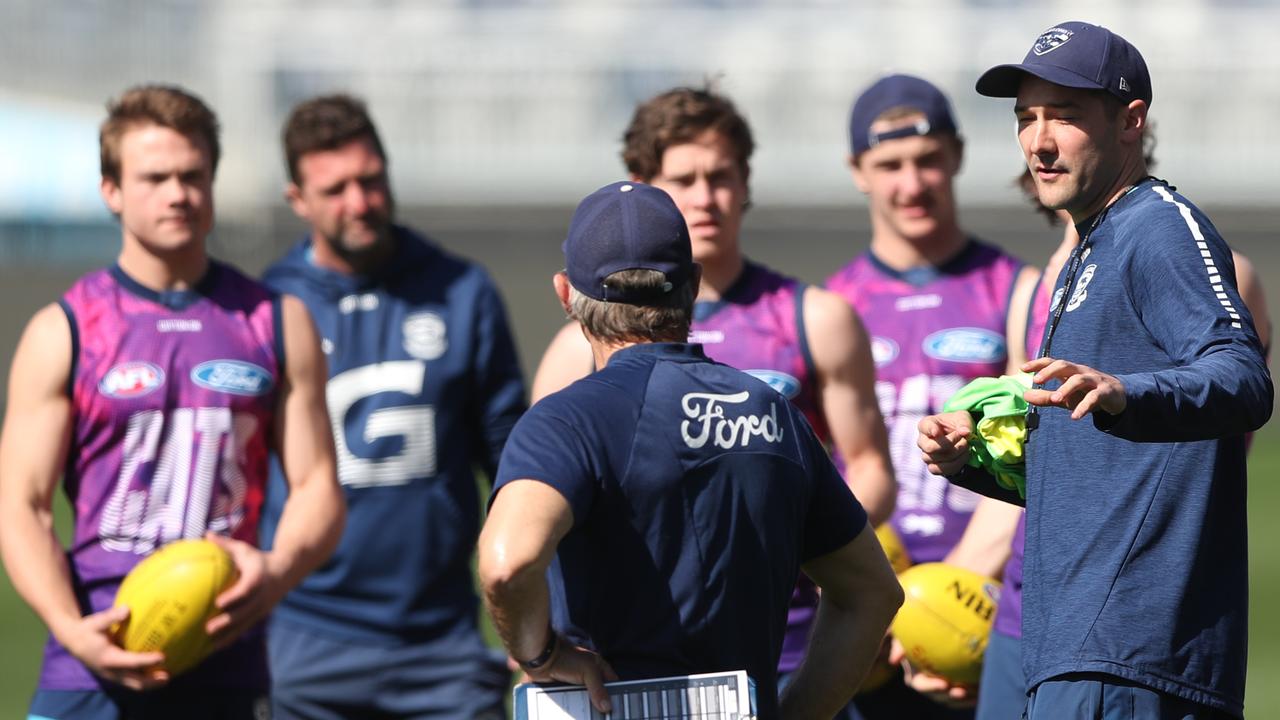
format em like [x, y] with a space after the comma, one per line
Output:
[163, 704]
[1096, 696]
[324, 678]
[1002, 692]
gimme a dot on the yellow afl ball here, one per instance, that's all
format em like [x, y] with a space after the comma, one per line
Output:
[170, 596]
[945, 619]
[894, 549]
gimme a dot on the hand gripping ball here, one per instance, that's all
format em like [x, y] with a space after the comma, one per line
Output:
[945, 619]
[170, 596]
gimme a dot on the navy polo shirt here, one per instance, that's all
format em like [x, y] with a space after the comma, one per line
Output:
[697, 491]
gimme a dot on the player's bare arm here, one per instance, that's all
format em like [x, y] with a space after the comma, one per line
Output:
[860, 595]
[33, 451]
[987, 541]
[1083, 389]
[1250, 287]
[567, 359]
[525, 525]
[846, 374]
[1016, 321]
[314, 514]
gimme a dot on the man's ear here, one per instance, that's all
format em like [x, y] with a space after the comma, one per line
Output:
[111, 195]
[560, 281]
[696, 278]
[856, 172]
[293, 195]
[1134, 122]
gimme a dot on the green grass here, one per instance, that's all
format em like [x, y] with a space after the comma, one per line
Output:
[23, 635]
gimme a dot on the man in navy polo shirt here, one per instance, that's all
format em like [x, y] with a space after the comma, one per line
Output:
[1135, 588]
[679, 498]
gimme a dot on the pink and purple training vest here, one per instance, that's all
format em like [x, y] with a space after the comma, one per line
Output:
[932, 331]
[758, 327]
[173, 395]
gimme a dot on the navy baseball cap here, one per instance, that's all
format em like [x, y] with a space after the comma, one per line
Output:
[627, 226]
[1077, 55]
[898, 91]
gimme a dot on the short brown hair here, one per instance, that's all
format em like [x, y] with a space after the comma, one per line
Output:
[326, 123]
[679, 116]
[164, 105]
[613, 322]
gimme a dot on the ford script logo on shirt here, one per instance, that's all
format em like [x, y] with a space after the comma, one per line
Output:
[708, 420]
[786, 385]
[131, 380]
[883, 351]
[232, 376]
[965, 345]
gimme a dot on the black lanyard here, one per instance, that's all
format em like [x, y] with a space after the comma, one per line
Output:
[1068, 287]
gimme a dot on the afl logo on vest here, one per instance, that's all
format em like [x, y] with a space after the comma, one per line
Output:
[131, 380]
[883, 351]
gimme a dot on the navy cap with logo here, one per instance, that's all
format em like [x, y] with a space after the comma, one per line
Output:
[1078, 55]
[627, 226]
[898, 91]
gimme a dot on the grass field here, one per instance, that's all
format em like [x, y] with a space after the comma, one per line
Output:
[22, 635]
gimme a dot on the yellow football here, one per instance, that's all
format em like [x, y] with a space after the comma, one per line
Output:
[944, 622]
[170, 596]
[894, 549]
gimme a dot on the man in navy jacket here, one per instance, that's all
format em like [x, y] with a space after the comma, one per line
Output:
[1151, 374]
[423, 386]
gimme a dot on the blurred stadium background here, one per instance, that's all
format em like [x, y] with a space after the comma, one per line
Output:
[498, 116]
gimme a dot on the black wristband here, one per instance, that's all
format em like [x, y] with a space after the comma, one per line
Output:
[544, 657]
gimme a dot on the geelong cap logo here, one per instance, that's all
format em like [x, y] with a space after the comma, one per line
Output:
[1051, 40]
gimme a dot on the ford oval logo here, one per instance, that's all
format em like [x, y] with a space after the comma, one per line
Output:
[131, 380]
[232, 376]
[965, 345]
[786, 385]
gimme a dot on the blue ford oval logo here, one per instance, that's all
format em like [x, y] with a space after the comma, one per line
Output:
[965, 345]
[786, 385]
[232, 376]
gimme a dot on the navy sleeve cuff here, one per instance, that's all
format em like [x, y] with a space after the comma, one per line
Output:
[983, 483]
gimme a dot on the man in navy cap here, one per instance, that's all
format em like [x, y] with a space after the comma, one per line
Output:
[680, 497]
[1135, 588]
[938, 305]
